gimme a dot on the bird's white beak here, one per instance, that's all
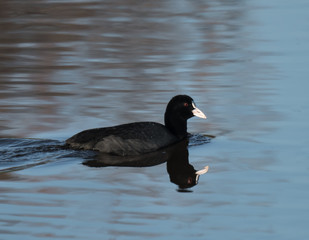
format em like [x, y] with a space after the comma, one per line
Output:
[197, 112]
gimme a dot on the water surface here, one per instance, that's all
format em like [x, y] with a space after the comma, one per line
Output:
[66, 66]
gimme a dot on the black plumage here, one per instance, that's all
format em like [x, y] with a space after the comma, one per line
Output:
[140, 137]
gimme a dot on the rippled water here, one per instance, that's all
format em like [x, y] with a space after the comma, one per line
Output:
[68, 65]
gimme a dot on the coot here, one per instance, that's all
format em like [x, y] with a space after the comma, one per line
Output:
[140, 137]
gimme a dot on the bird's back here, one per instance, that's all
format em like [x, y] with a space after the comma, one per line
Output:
[127, 139]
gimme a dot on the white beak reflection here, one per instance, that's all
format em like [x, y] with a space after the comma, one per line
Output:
[201, 172]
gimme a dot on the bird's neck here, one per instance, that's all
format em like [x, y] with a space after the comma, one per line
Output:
[177, 125]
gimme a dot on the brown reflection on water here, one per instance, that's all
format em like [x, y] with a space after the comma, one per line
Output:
[70, 65]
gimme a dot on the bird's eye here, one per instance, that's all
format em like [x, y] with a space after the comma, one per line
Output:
[186, 104]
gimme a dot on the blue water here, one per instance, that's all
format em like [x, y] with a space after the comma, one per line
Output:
[66, 66]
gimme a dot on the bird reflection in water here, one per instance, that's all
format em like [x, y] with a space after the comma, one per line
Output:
[180, 171]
